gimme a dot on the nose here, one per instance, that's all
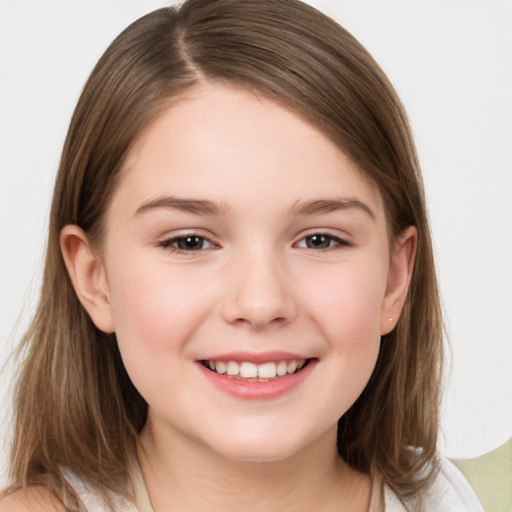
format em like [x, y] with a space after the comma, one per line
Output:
[259, 293]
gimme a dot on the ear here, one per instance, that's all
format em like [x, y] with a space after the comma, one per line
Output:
[87, 273]
[400, 272]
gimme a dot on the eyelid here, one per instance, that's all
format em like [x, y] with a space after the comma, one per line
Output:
[167, 241]
[341, 242]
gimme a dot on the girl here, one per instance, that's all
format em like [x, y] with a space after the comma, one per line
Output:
[239, 306]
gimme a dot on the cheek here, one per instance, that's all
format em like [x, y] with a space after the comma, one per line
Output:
[147, 299]
[346, 305]
[343, 310]
[347, 310]
[156, 310]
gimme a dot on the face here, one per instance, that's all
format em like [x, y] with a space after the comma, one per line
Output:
[246, 268]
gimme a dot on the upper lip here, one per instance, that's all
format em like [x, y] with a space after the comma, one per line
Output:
[256, 357]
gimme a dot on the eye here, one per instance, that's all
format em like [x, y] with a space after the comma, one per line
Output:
[321, 241]
[187, 243]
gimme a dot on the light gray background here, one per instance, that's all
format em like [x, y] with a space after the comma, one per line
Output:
[451, 62]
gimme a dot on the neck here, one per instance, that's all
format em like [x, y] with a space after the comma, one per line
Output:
[180, 475]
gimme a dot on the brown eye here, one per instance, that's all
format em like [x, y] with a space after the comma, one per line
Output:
[187, 243]
[322, 241]
[190, 243]
[318, 242]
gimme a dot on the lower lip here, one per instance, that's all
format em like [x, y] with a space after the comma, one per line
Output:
[258, 390]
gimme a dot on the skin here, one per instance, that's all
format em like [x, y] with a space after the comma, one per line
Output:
[35, 498]
[255, 283]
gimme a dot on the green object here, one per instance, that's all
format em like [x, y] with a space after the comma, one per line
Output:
[490, 475]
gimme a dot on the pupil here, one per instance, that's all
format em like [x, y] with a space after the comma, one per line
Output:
[190, 243]
[318, 242]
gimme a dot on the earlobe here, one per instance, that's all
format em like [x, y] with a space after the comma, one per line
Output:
[87, 274]
[400, 273]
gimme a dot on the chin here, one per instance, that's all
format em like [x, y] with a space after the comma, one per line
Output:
[263, 446]
[254, 454]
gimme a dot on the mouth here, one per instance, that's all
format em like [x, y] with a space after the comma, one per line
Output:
[252, 372]
[263, 376]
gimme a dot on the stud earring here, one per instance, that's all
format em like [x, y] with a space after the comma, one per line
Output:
[390, 319]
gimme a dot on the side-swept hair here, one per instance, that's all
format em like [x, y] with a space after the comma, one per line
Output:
[75, 406]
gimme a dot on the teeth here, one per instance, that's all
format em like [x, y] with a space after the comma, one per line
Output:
[267, 371]
[292, 366]
[233, 368]
[282, 368]
[219, 367]
[247, 370]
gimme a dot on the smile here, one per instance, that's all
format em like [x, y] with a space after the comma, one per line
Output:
[245, 370]
[262, 376]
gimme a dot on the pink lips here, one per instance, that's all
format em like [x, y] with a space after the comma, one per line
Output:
[256, 358]
[253, 389]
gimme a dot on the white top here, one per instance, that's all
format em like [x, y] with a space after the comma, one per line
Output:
[450, 492]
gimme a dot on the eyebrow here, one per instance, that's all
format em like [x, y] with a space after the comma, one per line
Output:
[321, 206]
[206, 207]
[195, 206]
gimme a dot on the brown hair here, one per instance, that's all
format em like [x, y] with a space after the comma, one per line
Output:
[75, 406]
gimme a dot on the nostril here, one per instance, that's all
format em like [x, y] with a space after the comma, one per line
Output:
[259, 299]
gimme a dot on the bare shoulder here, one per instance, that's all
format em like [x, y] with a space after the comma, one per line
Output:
[31, 499]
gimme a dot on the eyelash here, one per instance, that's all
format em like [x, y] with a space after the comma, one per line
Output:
[339, 243]
[172, 243]
[168, 244]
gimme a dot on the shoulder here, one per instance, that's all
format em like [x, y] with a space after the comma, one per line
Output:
[449, 492]
[455, 489]
[95, 499]
[31, 499]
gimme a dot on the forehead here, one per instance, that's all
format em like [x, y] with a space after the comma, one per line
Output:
[231, 145]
